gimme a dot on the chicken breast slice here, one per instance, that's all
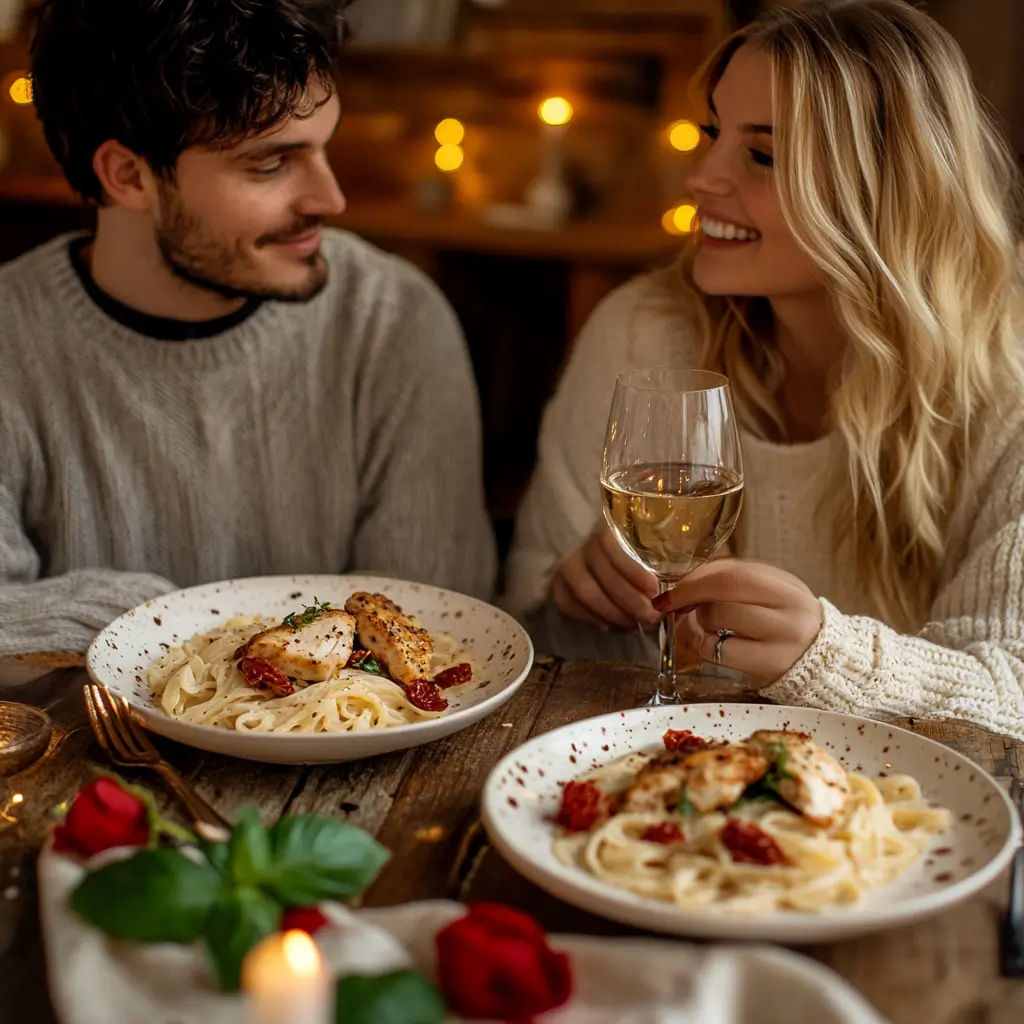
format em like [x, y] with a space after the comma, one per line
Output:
[712, 778]
[817, 785]
[312, 652]
[401, 646]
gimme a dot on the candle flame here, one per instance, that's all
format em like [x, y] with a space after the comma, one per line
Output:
[301, 954]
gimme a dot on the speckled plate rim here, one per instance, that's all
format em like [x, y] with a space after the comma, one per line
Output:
[288, 748]
[587, 893]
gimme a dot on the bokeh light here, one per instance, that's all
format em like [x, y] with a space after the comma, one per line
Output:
[684, 136]
[556, 110]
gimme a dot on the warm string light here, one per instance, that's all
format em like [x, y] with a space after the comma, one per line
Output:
[449, 158]
[680, 219]
[6, 810]
[449, 134]
[21, 89]
[555, 111]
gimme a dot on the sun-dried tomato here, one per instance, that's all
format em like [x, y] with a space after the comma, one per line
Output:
[583, 807]
[425, 695]
[454, 676]
[666, 833]
[684, 741]
[750, 844]
[261, 675]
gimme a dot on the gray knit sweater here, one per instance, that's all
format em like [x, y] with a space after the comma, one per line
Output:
[339, 434]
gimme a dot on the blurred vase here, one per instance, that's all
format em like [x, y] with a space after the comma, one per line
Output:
[550, 195]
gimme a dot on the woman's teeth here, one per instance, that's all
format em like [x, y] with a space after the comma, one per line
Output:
[729, 232]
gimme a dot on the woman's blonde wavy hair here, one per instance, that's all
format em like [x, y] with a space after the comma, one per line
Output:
[896, 182]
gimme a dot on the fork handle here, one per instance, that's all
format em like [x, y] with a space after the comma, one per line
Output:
[197, 806]
[1012, 945]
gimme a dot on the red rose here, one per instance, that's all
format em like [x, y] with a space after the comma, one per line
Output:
[496, 963]
[102, 816]
[303, 919]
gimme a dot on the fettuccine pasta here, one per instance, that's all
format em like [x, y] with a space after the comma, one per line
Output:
[200, 682]
[709, 861]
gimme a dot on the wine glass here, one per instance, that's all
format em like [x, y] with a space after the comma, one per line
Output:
[673, 481]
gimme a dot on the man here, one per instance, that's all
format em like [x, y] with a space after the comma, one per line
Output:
[214, 385]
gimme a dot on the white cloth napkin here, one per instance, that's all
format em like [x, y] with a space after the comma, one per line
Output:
[94, 980]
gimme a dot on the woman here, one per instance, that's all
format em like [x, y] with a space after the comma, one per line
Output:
[855, 276]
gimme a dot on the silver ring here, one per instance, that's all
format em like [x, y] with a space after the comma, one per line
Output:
[723, 635]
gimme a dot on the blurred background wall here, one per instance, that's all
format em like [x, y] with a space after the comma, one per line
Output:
[446, 158]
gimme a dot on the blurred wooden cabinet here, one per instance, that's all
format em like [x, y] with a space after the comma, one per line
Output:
[991, 33]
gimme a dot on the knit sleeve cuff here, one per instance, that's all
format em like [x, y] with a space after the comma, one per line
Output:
[831, 672]
[59, 616]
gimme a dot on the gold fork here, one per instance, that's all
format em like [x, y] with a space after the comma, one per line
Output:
[127, 745]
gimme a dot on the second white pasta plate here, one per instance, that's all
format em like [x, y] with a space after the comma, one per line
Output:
[121, 655]
[523, 793]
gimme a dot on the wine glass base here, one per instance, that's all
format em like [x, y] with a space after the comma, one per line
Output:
[663, 700]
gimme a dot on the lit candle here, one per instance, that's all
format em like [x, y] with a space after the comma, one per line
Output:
[555, 114]
[285, 982]
[549, 194]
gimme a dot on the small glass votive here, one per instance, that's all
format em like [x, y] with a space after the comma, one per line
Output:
[24, 736]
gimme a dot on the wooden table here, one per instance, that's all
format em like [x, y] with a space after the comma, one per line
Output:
[422, 804]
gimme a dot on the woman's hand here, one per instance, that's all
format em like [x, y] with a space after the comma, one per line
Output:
[601, 585]
[774, 616]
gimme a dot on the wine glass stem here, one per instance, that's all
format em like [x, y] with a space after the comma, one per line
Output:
[667, 640]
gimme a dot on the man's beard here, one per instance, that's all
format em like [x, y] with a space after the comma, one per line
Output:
[223, 266]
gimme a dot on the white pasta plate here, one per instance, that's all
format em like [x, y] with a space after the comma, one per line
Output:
[121, 655]
[523, 794]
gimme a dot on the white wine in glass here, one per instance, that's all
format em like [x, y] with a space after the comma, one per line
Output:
[672, 480]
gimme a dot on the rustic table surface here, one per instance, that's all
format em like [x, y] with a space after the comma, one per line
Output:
[422, 805]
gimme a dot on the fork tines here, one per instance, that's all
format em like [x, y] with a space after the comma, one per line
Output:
[115, 728]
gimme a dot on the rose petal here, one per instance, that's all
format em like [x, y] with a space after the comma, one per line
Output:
[499, 976]
[558, 967]
[305, 919]
[519, 975]
[118, 802]
[103, 816]
[64, 841]
[498, 919]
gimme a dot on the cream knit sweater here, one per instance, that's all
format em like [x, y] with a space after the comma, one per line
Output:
[968, 660]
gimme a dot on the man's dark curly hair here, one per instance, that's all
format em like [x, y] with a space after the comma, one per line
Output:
[161, 76]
